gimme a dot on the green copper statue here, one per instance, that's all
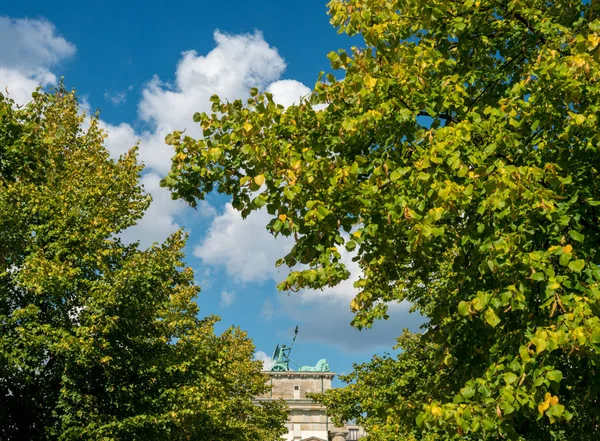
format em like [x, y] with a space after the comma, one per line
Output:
[322, 366]
[281, 357]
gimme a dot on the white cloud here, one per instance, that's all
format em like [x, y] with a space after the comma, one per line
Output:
[267, 361]
[25, 62]
[227, 299]
[32, 44]
[288, 92]
[121, 138]
[243, 246]
[237, 63]
[159, 220]
[20, 84]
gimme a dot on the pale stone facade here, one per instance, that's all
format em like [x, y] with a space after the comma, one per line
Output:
[308, 421]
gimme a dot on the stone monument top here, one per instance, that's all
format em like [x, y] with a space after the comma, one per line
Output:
[281, 357]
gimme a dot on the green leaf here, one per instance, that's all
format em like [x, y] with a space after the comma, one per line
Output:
[576, 235]
[420, 418]
[538, 276]
[259, 201]
[507, 408]
[555, 376]
[510, 377]
[467, 392]
[491, 318]
[596, 335]
[524, 353]
[463, 308]
[395, 175]
[576, 265]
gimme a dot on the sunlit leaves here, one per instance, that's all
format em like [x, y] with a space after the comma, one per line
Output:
[462, 145]
[99, 340]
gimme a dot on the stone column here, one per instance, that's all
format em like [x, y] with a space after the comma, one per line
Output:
[339, 433]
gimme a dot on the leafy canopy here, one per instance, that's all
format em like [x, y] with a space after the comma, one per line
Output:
[458, 158]
[101, 340]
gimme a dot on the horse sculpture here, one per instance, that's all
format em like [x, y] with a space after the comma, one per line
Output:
[322, 366]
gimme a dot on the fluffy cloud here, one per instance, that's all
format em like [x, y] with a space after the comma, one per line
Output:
[20, 83]
[288, 92]
[243, 246]
[237, 63]
[267, 361]
[35, 47]
[159, 220]
[34, 44]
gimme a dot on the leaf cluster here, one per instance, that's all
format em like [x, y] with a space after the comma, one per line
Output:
[458, 160]
[98, 339]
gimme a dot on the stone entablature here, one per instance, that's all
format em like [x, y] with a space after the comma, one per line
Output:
[296, 385]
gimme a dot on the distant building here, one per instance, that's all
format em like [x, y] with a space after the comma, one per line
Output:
[308, 421]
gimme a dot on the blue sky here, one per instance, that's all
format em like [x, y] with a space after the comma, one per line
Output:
[148, 66]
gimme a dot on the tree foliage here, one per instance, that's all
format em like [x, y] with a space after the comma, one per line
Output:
[101, 340]
[458, 157]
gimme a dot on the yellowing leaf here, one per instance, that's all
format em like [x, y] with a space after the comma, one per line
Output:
[259, 180]
[369, 81]
[491, 318]
[282, 217]
[247, 127]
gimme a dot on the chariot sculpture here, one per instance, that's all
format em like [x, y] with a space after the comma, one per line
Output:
[281, 357]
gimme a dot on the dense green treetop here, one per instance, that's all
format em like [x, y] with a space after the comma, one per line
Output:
[101, 340]
[458, 156]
